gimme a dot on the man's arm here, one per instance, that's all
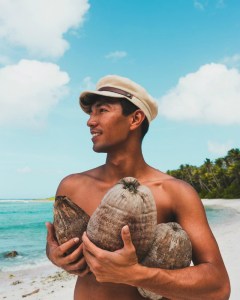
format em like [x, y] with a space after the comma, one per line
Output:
[208, 279]
[198, 282]
[73, 263]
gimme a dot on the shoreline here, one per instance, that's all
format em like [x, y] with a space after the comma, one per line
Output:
[51, 283]
[232, 203]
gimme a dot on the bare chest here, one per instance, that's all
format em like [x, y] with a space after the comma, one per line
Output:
[90, 197]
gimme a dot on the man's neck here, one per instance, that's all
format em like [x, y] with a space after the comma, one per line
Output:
[122, 165]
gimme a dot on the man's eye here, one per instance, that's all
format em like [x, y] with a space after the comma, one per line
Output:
[103, 109]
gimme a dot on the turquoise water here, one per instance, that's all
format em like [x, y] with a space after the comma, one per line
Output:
[22, 228]
[219, 215]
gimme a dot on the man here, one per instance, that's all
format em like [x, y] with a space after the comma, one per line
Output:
[120, 111]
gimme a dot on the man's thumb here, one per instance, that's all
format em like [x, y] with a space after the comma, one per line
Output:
[126, 236]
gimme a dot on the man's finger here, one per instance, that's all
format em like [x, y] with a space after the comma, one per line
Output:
[68, 245]
[84, 272]
[79, 265]
[50, 232]
[75, 256]
[89, 246]
[81, 273]
[126, 237]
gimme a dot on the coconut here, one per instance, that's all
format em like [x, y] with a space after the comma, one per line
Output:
[171, 249]
[126, 203]
[69, 219]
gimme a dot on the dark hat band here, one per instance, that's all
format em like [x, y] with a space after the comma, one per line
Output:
[116, 90]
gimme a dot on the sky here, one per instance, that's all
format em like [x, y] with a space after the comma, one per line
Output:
[186, 53]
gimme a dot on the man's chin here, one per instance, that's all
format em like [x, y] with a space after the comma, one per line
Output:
[99, 150]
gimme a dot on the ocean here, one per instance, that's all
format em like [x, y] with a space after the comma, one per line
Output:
[22, 228]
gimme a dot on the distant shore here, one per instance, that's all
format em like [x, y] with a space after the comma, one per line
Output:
[51, 283]
[45, 200]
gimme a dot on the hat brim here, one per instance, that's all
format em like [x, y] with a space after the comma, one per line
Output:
[87, 98]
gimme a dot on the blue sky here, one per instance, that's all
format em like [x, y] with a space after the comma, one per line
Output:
[185, 53]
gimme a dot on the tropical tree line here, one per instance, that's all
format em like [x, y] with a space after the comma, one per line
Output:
[214, 179]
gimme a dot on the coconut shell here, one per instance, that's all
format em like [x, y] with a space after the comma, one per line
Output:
[171, 249]
[69, 219]
[127, 203]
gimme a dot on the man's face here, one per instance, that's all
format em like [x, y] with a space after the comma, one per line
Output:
[108, 126]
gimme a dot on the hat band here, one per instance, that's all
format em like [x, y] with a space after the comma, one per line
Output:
[116, 90]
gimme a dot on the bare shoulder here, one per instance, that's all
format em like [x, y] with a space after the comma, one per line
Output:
[86, 189]
[77, 182]
[68, 183]
[172, 187]
[184, 198]
[179, 190]
[176, 198]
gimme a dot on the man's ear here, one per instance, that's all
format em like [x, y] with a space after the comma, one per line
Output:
[137, 117]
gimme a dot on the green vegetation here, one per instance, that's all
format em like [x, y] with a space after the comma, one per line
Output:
[214, 179]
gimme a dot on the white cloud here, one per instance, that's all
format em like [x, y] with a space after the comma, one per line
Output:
[202, 4]
[24, 170]
[219, 148]
[220, 3]
[116, 55]
[29, 90]
[87, 84]
[39, 25]
[210, 95]
[232, 61]
[199, 5]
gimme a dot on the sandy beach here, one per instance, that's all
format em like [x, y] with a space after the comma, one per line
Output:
[228, 237]
[46, 282]
[51, 283]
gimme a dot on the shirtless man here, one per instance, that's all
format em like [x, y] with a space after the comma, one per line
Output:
[120, 111]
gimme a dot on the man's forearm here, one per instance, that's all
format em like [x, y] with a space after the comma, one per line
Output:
[203, 281]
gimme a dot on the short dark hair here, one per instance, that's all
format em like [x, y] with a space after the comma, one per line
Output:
[128, 108]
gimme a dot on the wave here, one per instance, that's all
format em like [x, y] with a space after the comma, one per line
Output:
[15, 201]
[26, 266]
[17, 227]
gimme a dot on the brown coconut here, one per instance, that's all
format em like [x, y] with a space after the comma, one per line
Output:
[127, 203]
[171, 249]
[69, 219]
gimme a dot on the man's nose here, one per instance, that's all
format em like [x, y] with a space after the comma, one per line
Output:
[92, 121]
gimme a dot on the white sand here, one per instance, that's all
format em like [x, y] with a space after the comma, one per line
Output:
[228, 238]
[43, 283]
[50, 283]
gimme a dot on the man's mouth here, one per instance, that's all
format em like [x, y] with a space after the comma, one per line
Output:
[94, 134]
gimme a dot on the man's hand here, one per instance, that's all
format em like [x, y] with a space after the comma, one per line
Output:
[111, 266]
[73, 263]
